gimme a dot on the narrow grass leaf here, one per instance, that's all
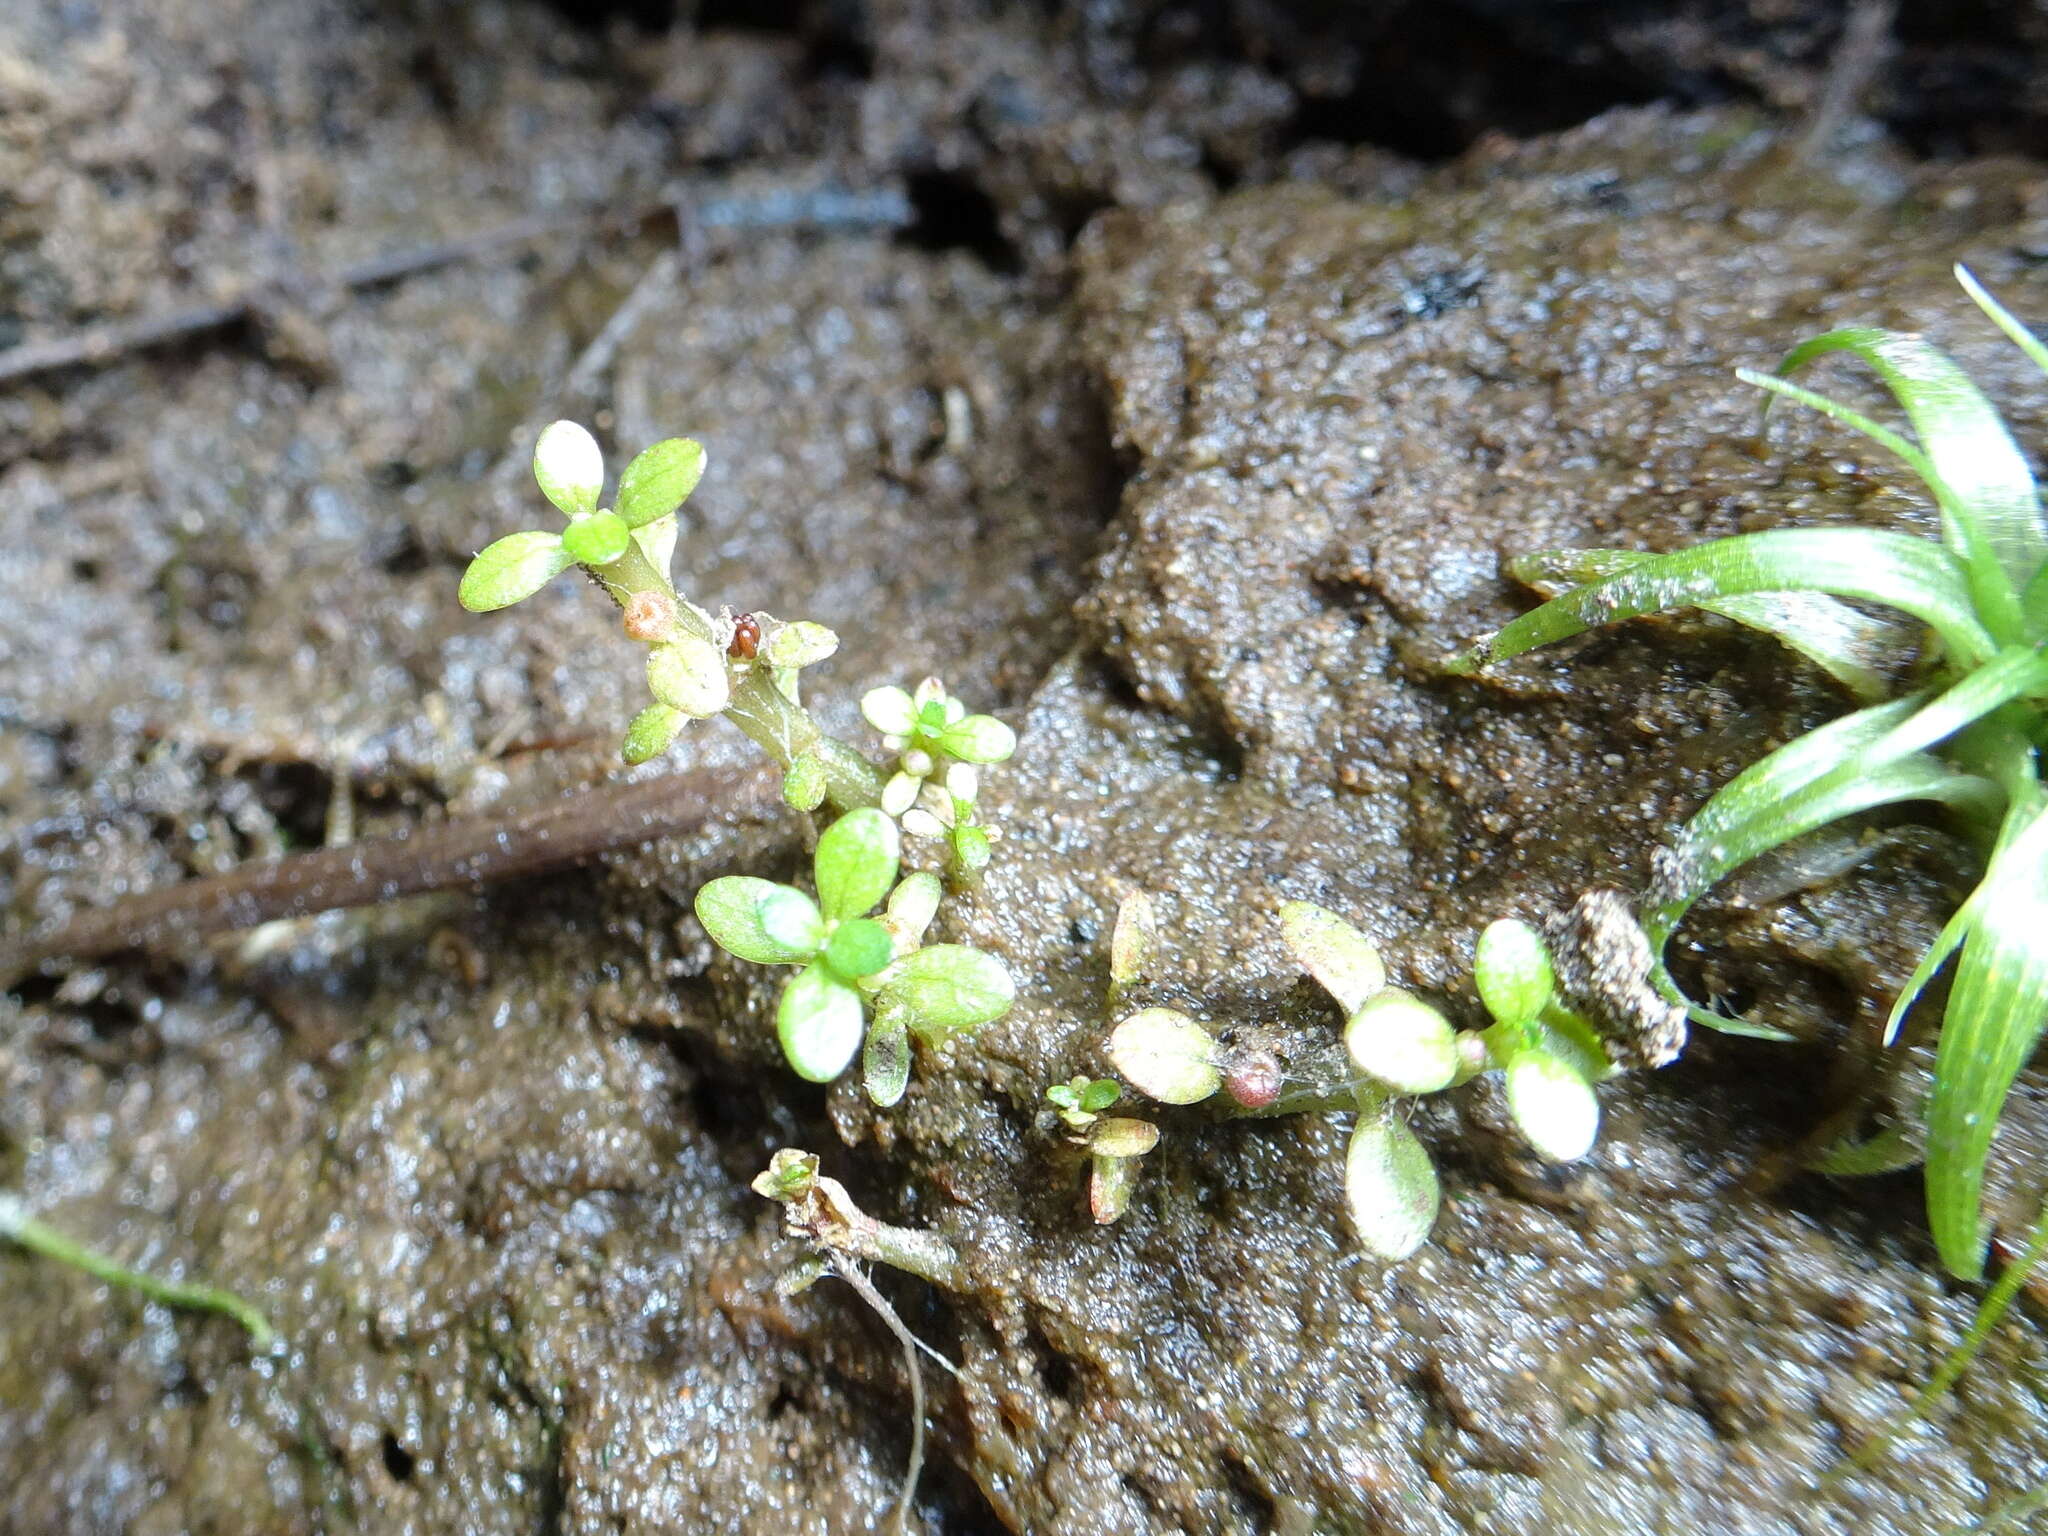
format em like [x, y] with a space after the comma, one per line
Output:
[1913, 575]
[1849, 645]
[1978, 471]
[1995, 1014]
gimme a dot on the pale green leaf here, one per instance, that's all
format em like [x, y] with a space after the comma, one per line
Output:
[856, 862]
[512, 570]
[651, 732]
[1390, 1185]
[1166, 1055]
[1552, 1105]
[1512, 971]
[760, 921]
[569, 468]
[1398, 1040]
[658, 480]
[885, 1060]
[1341, 958]
[945, 988]
[688, 674]
[820, 1021]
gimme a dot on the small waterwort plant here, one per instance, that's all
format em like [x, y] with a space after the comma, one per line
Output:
[1396, 1047]
[866, 983]
[1965, 732]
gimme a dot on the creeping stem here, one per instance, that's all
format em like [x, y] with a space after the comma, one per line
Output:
[762, 712]
[37, 1237]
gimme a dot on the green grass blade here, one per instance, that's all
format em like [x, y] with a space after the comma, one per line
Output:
[1989, 1312]
[2003, 318]
[1847, 644]
[1978, 473]
[2013, 758]
[1875, 757]
[1995, 1012]
[1699, 864]
[1896, 570]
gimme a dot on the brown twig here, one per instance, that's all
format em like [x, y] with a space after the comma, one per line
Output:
[467, 852]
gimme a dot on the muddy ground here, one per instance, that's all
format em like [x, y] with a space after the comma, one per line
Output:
[1162, 400]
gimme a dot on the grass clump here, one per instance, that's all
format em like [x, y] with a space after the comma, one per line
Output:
[1964, 731]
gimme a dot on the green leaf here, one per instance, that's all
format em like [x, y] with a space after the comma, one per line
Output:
[688, 674]
[804, 786]
[856, 862]
[1098, 1094]
[1110, 1182]
[978, 739]
[760, 921]
[801, 644]
[657, 541]
[569, 468]
[1879, 758]
[946, 988]
[820, 1020]
[885, 1060]
[888, 710]
[1967, 457]
[659, 479]
[651, 732]
[859, 947]
[1851, 646]
[2019, 335]
[1390, 1184]
[1129, 938]
[1512, 971]
[1996, 1008]
[1398, 1040]
[1910, 574]
[971, 848]
[912, 906]
[1552, 1105]
[1334, 952]
[596, 540]
[512, 570]
[1166, 1055]
[1119, 1136]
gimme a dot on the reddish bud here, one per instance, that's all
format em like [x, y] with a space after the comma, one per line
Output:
[649, 616]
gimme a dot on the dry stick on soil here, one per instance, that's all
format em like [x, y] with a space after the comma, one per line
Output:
[1858, 56]
[465, 852]
[822, 208]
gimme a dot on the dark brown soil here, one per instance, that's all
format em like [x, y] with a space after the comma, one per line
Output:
[1197, 485]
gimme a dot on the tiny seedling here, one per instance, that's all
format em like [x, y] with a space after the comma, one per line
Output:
[862, 979]
[1964, 731]
[1396, 1046]
[843, 1240]
[1114, 1142]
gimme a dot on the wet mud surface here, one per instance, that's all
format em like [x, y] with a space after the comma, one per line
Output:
[1199, 486]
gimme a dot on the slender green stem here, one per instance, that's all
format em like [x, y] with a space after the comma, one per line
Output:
[762, 712]
[39, 1237]
[786, 731]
